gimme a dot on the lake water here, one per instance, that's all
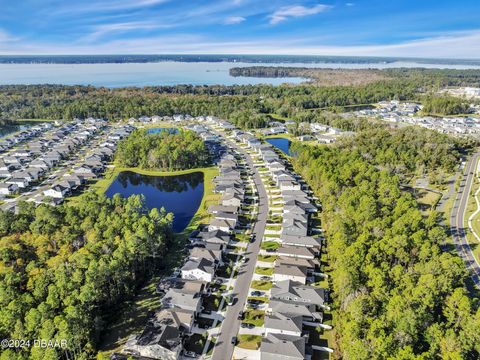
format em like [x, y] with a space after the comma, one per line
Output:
[170, 130]
[132, 74]
[11, 128]
[281, 144]
[171, 72]
[179, 194]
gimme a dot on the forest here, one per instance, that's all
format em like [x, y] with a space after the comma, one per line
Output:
[396, 294]
[445, 105]
[64, 268]
[163, 151]
[258, 101]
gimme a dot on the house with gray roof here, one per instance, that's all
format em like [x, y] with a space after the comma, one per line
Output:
[282, 347]
[198, 269]
[294, 291]
[279, 323]
[284, 272]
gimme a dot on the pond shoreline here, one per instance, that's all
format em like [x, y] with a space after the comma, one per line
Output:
[201, 215]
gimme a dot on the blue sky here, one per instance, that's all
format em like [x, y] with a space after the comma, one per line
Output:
[422, 28]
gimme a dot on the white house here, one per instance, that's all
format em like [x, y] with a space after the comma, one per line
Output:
[8, 189]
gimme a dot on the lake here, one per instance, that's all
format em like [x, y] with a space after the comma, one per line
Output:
[179, 194]
[19, 126]
[133, 74]
[282, 144]
[170, 130]
[114, 75]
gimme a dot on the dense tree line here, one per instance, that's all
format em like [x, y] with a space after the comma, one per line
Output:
[445, 105]
[164, 151]
[396, 294]
[62, 269]
[410, 151]
[66, 102]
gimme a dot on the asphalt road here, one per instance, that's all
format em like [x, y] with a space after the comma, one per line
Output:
[457, 220]
[224, 348]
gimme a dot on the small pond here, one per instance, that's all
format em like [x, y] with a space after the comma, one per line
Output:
[10, 128]
[282, 144]
[179, 194]
[170, 130]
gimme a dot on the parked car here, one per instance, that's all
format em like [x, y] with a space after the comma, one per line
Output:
[265, 278]
[240, 315]
[270, 250]
[247, 325]
[256, 293]
[190, 354]
[234, 340]
[230, 300]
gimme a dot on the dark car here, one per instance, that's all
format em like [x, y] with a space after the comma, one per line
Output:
[240, 315]
[270, 250]
[234, 340]
[247, 325]
[256, 293]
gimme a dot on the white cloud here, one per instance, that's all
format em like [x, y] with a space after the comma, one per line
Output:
[105, 29]
[232, 20]
[6, 38]
[456, 45]
[286, 12]
[350, 4]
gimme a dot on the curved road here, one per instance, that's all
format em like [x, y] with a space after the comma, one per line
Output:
[457, 220]
[223, 349]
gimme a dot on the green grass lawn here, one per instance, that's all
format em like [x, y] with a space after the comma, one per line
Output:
[275, 227]
[250, 342]
[267, 258]
[259, 298]
[261, 285]
[264, 271]
[255, 317]
[270, 245]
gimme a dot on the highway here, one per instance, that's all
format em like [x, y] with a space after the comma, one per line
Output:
[224, 348]
[457, 220]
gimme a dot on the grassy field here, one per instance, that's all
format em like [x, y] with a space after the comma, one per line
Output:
[266, 258]
[251, 342]
[270, 245]
[264, 271]
[36, 120]
[261, 285]
[255, 317]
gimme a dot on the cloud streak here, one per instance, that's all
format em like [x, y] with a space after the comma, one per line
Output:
[296, 11]
[233, 20]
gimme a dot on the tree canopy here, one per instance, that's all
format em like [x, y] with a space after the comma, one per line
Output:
[166, 151]
[396, 294]
[63, 268]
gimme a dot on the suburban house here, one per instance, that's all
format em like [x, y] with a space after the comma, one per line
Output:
[284, 272]
[290, 290]
[8, 189]
[279, 323]
[198, 269]
[297, 252]
[282, 347]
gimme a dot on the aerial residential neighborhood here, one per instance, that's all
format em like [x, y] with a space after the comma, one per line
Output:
[239, 180]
